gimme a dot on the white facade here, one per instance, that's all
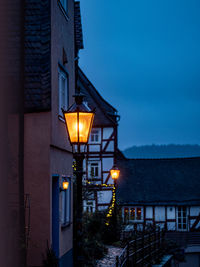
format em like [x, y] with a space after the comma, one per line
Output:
[97, 164]
[172, 218]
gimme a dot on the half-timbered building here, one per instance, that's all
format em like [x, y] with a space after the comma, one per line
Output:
[101, 149]
[162, 192]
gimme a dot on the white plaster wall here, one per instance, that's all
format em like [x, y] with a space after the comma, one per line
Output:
[171, 226]
[104, 196]
[110, 180]
[191, 223]
[149, 212]
[160, 213]
[171, 212]
[107, 132]
[94, 148]
[194, 211]
[107, 164]
[161, 225]
[139, 226]
[84, 165]
[101, 208]
[149, 223]
[110, 147]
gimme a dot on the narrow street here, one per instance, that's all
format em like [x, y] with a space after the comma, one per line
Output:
[109, 259]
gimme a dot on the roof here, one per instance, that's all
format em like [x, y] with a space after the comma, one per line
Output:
[37, 56]
[105, 114]
[159, 181]
[78, 26]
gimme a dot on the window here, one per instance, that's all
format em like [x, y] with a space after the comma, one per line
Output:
[63, 90]
[133, 214]
[182, 218]
[64, 4]
[90, 207]
[95, 136]
[66, 204]
[94, 169]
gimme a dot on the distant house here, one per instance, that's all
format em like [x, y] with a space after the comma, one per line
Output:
[162, 192]
[100, 153]
[52, 38]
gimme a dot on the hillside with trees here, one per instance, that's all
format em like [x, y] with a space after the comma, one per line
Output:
[162, 151]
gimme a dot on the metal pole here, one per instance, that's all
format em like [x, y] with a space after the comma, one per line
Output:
[115, 210]
[79, 211]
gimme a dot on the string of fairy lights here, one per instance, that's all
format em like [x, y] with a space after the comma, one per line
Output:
[113, 202]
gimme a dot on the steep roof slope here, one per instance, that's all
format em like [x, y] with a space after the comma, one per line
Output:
[159, 181]
[105, 114]
[37, 55]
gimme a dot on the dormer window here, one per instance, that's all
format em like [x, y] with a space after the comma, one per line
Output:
[95, 136]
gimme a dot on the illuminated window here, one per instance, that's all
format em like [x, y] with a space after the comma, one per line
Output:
[63, 90]
[139, 214]
[133, 214]
[95, 136]
[126, 214]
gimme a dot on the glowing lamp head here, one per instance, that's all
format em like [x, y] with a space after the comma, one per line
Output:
[65, 185]
[78, 119]
[115, 173]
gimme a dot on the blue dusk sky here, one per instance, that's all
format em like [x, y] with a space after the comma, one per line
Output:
[144, 58]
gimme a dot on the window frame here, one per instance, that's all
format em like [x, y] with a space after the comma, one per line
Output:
[98, 134]
[66, 204]
[89, 206]
[90, 169]
[181, 218]
[136, 211]
[62, 73]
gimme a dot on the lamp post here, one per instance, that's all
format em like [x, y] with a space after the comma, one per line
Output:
[114, 172]
[78, 120]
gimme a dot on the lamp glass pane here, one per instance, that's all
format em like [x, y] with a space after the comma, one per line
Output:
[114, 174]
[72, 123]
[65, 185]
[85, 123]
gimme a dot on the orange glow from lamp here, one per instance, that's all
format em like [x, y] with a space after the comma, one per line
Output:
[78, 119]
[65, 185]
[114, 172]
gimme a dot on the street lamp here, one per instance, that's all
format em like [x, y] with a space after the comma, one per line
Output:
[78, 120]
[65, 184]
[114, 172]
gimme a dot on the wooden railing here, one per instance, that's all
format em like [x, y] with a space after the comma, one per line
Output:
[142, 251]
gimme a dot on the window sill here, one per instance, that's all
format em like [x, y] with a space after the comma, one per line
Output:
[63, 10]
[65, 225]
[136, 221]
[94, 143]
